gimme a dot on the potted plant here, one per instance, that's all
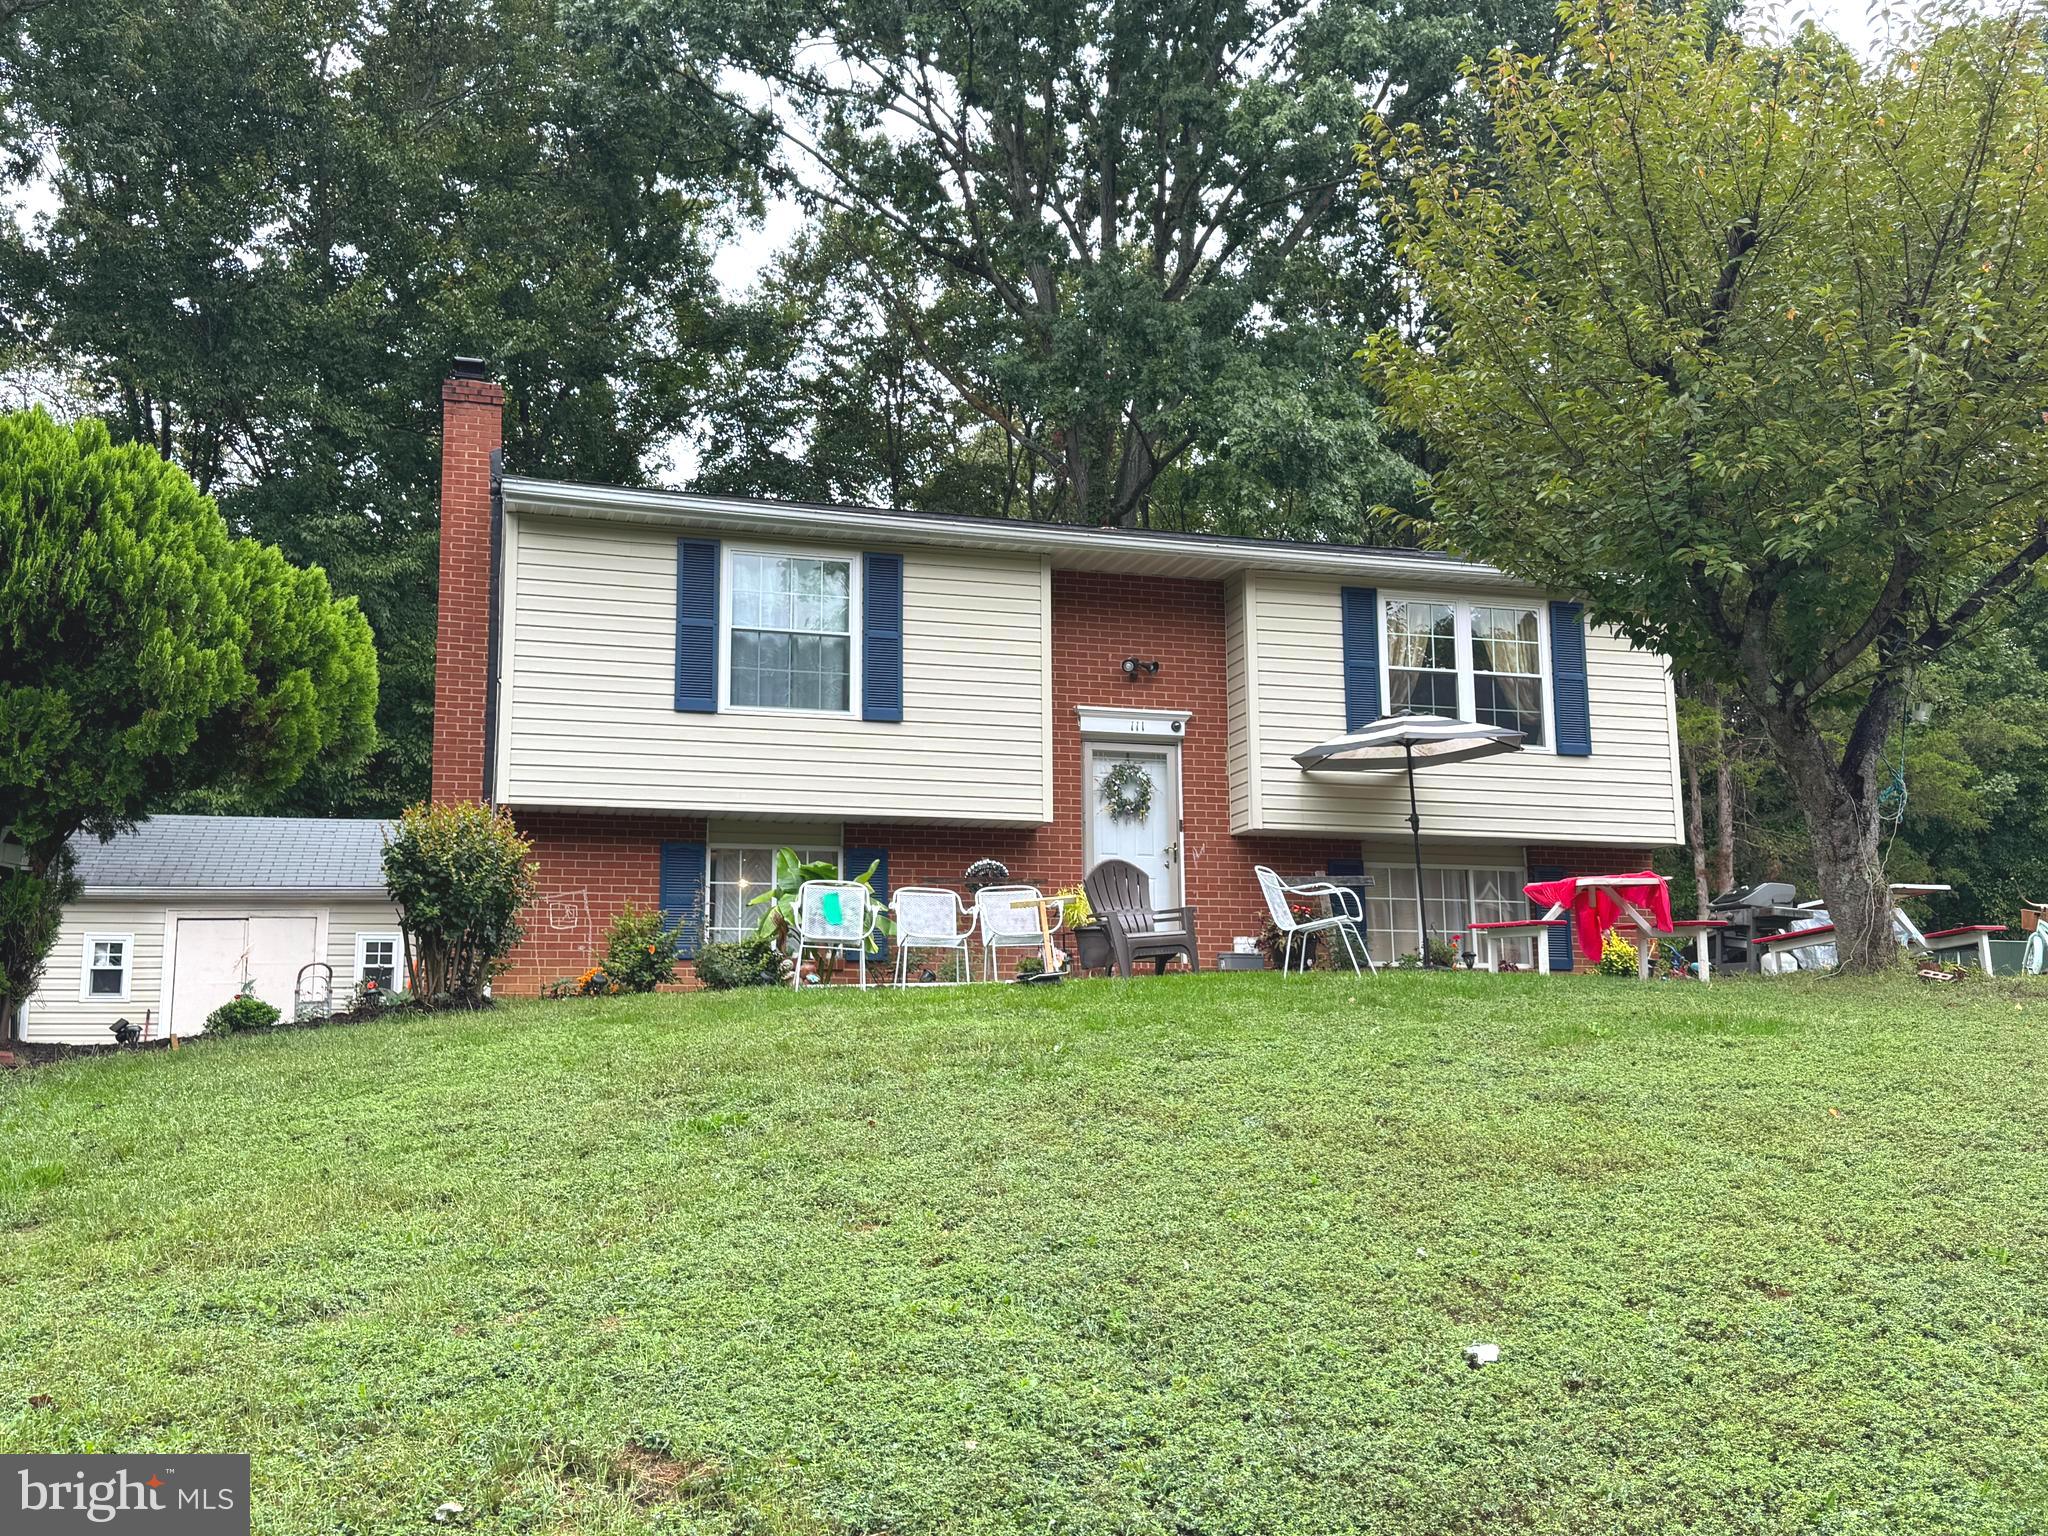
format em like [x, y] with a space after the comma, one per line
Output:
[1092, 950]
[778, 904]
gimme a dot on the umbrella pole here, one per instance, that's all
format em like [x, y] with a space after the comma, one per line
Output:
[1415, 831]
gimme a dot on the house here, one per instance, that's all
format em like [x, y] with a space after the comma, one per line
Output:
[179, 914]
[663, 687]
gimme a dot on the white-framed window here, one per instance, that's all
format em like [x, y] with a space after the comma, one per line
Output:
[1453, 898]
[378, 958]
[1487, 661]
[108, 964]
[790, 631]
[738, 872]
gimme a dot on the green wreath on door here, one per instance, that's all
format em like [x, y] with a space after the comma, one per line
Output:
[1127, 792]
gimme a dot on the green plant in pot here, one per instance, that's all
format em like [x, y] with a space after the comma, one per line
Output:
[778, 904]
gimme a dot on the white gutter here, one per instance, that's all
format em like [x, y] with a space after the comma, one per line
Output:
[738, 514]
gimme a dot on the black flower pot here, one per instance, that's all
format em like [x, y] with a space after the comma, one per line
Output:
[1091, 946]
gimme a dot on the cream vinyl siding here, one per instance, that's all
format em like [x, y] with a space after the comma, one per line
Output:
[346, 919]
[56, 1015]
[1237, 691]
[588, 693]
[1626, 792]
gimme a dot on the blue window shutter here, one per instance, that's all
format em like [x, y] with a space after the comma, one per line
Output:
[857, 861]
[1560, 939]
[697, 625]
[881, 638]
[1361, 608]
[682, 893]
[1568, 680]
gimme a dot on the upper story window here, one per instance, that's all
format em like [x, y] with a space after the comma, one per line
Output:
[790, 629]
[108, 958]
[1422, 659]
[1469, 661]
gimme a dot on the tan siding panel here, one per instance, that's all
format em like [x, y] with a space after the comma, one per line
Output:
[1626, 792]
[592, 694]
[57, 1015]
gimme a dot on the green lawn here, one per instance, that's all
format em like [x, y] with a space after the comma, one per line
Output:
[1191, 1255]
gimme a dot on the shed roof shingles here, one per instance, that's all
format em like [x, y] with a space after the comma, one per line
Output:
[236, 853]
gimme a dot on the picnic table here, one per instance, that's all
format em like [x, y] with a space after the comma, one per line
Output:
[1600, 902]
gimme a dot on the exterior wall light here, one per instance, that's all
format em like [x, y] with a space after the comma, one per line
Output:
[1133, 666]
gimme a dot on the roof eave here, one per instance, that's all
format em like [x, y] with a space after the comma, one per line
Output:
[1065, 544]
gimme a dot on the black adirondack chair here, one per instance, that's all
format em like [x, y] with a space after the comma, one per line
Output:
[1120, 894]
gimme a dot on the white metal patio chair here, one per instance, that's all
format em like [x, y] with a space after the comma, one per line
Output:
[1010, 917]
[1346, 913]
[928, 917]
[834, 914]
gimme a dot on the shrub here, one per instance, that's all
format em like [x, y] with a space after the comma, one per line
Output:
[748, 963]
[460, 876]
[1617, 955]
[640, 949]
[243, 1012]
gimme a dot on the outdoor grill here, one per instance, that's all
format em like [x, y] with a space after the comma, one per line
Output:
[1753, 912]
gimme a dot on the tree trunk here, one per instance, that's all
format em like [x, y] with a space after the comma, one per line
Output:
[1839, 801]
[1724, 822]
[1696, 832]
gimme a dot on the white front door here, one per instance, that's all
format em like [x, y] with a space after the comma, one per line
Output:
[1151, 840]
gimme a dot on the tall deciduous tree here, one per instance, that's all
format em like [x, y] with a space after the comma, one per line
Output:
[145, 652]
[1749, 345]
[265, 228]
[1123, 240]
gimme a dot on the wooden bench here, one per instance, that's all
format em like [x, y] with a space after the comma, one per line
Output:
[1490, 936]
[1796, 938]
[1975, 936]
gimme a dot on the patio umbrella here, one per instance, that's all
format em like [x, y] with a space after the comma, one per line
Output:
[1406, 741]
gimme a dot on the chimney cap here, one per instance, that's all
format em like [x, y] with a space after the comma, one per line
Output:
[468, 368]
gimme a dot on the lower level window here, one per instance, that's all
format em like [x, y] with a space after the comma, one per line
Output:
[738, 875]
[107, 959]
[1452, 899]
[377, 960]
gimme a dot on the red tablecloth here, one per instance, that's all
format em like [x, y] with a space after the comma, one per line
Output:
[1594, 909]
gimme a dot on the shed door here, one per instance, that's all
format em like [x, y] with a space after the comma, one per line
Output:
[278, 947]
[215, 955]
[210, 958]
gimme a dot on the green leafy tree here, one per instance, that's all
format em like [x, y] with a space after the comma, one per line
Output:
[1121, 243]
[1749, 345]
[270, 225]
[146, 653]
[461, 876]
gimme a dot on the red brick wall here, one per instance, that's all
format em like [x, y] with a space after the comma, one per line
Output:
[472, 424]
[591, 864]
[1098, 620]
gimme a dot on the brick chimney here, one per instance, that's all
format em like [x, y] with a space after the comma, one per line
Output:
[472, 429]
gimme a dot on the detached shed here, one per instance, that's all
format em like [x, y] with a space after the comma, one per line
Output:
[177, 915]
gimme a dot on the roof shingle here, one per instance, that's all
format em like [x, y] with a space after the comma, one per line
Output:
[236, 853]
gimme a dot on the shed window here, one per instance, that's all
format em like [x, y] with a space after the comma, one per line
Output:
[377, 960]
[108, 958]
